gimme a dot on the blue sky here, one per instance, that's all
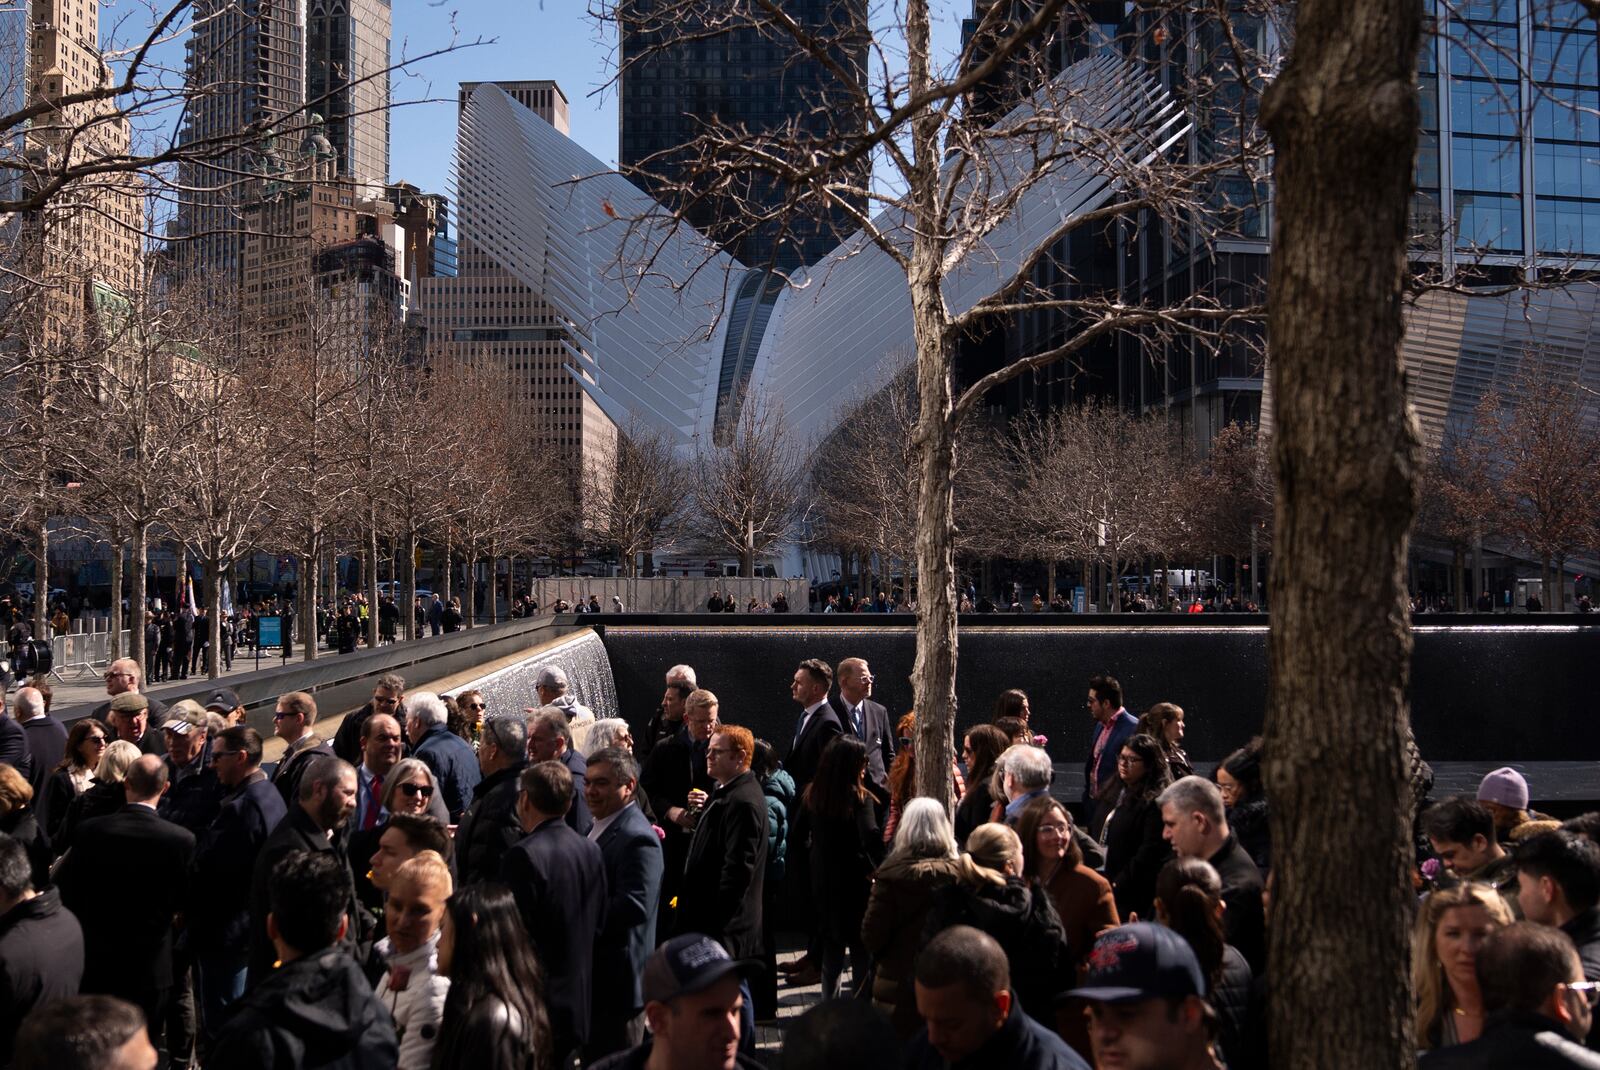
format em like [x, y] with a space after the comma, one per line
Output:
[534, 39]
[523, 39]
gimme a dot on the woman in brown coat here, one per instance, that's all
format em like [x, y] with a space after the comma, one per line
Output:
[924, 860]
[1052, 857]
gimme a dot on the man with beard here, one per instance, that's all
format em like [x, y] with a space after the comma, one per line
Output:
[327, 798]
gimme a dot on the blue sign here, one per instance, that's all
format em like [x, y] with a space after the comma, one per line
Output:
[1079, 600]
[271, 633]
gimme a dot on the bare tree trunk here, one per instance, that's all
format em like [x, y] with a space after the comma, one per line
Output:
[1544, 582]
[214, 567]
[116, 600]
[494, 586]
[41, 584]
[372, 579]
[469, 587]
[310, 580]
[140, 602]
[1343, 116]
[409, 610]
[933, 676]
[448, 569]
[1561, 584]
[1459, 560]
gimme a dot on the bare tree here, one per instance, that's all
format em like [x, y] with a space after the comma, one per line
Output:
[1232, 499]
[958, 172]
[310, 392]
[749, 495]
[1459, 504]
[1547, 447]
[1344, 116]
[635, 494]
[126, 416]
[219, 463]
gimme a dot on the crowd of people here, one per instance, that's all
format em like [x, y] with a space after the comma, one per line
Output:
[437, 883]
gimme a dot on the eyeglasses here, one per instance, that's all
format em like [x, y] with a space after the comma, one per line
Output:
[218, 755]
[115, 675]
[1129, 759]
[477, 706]
[413, 790]
[722, 750]
[1589, 990]
[95, 739]
[278, 715]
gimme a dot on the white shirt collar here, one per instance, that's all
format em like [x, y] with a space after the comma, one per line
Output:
[603, 823]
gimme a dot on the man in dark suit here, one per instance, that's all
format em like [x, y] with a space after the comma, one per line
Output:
[1113, 726]
[550, 740]
[559, 881]
[225, 859]
[313, 823]
[675, 771]
[490, 828]
[818, 723]
[817, 728]
[632, 855]
[145, 860]
[727, 864]
[869, 722]
[47, 737]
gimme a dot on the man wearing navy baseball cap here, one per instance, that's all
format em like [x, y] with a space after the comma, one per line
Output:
[692, 1004]
[1145, 997]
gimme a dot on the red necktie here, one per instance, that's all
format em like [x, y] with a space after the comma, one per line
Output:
[376, 790]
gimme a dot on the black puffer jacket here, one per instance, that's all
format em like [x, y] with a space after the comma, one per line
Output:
[1230, 996]
[1248, 822]
[316, 1012]
[1024, 924]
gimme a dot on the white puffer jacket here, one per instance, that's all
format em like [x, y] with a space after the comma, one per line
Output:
[414, 993]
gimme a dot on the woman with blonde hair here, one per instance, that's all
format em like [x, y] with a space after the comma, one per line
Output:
[412, 988]
[1451, 927]
[103, 796]
[991, 894]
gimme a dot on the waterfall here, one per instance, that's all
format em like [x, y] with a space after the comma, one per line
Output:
[582, 656]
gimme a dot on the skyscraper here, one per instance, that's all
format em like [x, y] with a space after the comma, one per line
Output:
[89, 232]
[482, 312]
[347, 57]
[1509, 160]
[245, 65]
[747, 79]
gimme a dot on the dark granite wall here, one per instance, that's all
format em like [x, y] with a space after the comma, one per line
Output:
[1478, 692]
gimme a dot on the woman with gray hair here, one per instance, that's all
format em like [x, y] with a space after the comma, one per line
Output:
[922, 860]
[410, 788]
